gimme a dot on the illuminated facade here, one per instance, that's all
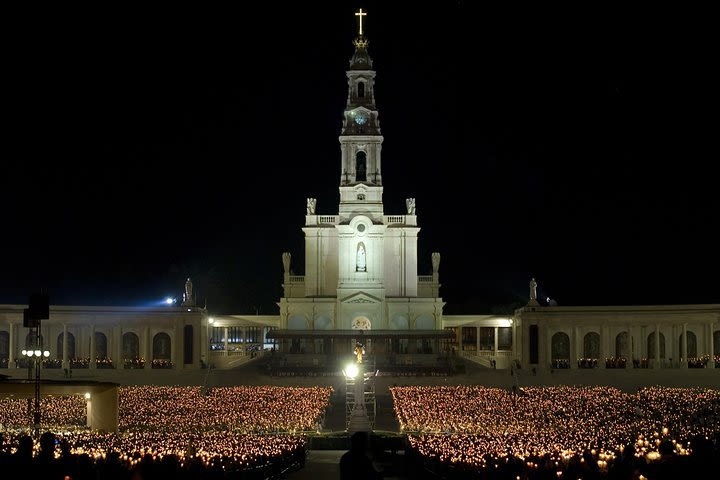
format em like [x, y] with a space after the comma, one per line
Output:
[360, 263]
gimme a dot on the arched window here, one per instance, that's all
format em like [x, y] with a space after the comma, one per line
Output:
[161, 346]
[360, 167]
[130, 346]
[71, 346]
[361, 89]
[100, 345]
[691, 345]
[622, 345]
[188, 344]
[591, 345]
[560, 346]
[651, 345]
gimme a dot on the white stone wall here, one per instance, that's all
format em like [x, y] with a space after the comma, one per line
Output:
[83, 322]
[640, 322]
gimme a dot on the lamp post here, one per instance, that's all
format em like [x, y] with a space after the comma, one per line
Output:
[38, 309]
[36, 356]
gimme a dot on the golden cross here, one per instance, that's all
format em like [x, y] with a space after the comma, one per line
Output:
[360, 14]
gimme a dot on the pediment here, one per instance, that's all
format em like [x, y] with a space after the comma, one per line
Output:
[360, 297]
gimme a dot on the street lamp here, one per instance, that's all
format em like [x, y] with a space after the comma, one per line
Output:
[36, 357]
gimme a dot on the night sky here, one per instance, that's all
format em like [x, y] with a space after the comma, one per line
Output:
[143, 146]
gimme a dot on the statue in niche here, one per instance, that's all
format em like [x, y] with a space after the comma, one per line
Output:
[360, 263]
[533, 290]
[410, 203]
[286, 262]
[311, 202]
[435, 257]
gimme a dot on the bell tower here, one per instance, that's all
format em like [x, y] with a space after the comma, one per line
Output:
[360, 265]
[360, 138]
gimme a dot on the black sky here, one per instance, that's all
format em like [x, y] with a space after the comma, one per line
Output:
[147, 145]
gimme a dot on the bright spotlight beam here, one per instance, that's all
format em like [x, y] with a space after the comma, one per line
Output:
[351, 370]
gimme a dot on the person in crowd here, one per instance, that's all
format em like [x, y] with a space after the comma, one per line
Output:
[355, 464]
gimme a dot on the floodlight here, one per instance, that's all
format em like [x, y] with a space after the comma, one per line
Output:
[351, 370]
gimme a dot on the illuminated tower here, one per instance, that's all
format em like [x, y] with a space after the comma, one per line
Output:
[360, 264]
[360, 140]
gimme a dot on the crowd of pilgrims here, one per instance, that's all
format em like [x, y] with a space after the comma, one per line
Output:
[167, 432]
[561, 432]
[453, 431]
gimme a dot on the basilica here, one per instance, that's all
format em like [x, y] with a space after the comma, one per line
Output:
[361, 285]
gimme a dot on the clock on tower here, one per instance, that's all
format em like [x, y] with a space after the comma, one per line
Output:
[361, 118]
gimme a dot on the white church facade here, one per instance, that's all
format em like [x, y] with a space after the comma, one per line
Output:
[361, 284]
[361, 277]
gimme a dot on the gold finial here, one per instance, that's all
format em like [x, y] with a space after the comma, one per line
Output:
[360, 14]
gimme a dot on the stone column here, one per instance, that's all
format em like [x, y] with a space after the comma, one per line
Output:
[656, 363]
[225, 339]
[524, 345]
[103, 411]
[11, 346]
[711, 347]
[117, 345]
[604, 345]
[477, 340]
[683, 346]
[514, 339]
[496, 340]
[669, 355]
[630, 348]
[146, 351]
[573, 348]
[244, 331]
[93, 348]
[65, 363]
